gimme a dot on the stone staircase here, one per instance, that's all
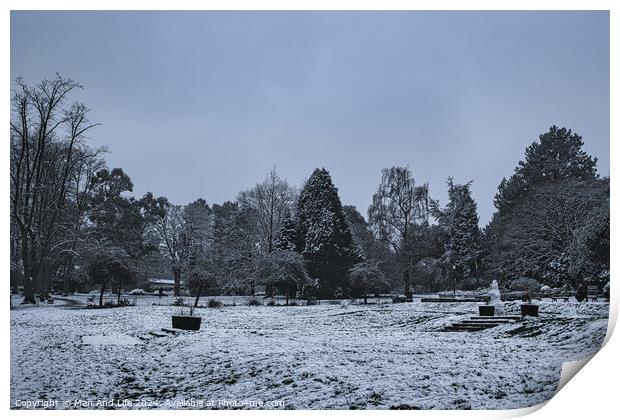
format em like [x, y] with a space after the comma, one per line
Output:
[479, 323]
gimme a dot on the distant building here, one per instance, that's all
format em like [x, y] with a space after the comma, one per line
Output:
[166, 284]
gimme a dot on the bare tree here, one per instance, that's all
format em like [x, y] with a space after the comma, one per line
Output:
[74, 237]
[396, 207]
[174, 243]
[45, 137]
[272, 201]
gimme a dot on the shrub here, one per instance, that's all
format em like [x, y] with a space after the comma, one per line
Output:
[214, 303]
[399, 299]
[271, 303]
[469, 283]
[254, 302]
[525, 284]
[606, 291]
[179, 302]
[127, 302]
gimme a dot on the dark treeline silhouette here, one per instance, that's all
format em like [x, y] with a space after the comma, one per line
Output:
[74, 226]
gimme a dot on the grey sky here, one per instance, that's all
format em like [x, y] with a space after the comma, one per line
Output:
[202, 104]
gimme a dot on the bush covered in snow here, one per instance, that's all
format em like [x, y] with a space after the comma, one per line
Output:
[254, 302]
[525, 284]
[214, 303]
[137, 292]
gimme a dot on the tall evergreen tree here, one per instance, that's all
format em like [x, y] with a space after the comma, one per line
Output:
[288, 236]
[558, 155]
[540, 210]
[116, 228]
[325, 238]
[460, 221]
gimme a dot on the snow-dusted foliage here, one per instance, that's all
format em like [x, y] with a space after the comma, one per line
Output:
[288, 236]
[325, 239]
[235, 247]
[557, 155]
[551, 222]
[272, 201]
[397, 207]
[283, 270]
[366, 277]
[540, 236]
[459, 219]
[183, 236]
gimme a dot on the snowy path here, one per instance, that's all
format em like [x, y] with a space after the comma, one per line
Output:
[326, 356]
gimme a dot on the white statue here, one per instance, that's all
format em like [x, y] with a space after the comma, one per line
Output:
[496, 298]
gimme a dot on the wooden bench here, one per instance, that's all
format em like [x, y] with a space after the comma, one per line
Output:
[592, 293]
[564, 296]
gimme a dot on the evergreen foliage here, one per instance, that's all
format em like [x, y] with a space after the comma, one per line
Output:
[325, 239]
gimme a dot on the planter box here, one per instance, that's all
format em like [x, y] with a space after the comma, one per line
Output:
[486, 310]
[186, 322]
[529, 310]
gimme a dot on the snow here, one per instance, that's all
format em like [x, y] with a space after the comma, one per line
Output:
[306, 357]
[137, 292]
[103, 340]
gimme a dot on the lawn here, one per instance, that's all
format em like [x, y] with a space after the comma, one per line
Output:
[305, 357]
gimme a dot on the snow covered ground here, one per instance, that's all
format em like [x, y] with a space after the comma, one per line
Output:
[323, 356]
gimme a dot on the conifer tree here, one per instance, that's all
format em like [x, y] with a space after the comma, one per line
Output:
[460, 220]
[288, 238]
[325, 239]
[558, 155]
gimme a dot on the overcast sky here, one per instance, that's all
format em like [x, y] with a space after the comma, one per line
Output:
[203, 104]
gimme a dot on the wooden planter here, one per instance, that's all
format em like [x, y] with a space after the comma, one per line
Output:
[486, 310]
[186, 322]
[529, 310]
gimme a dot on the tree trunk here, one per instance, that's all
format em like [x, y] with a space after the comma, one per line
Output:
[68, 270]
[177, 283]
[118, 300]
[29, 296]
[287, 294]
[453, 281]
[101, 294]
[198, 295]
[28, 280]
[365, 298]
[406, 280]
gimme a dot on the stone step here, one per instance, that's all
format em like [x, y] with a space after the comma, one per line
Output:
[485, 321]
[479, 323]
[452, 300]
[470, 327]
[494, 318]
[476, 324]
[455, 328]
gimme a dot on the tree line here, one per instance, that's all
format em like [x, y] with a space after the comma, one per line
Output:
[74, 222]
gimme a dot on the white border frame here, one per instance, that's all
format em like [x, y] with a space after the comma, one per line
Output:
[592, 395]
